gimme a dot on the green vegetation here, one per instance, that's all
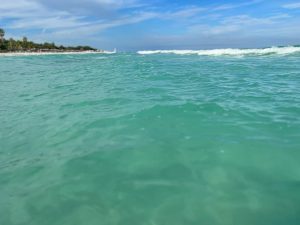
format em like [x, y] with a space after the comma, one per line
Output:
[11, 45]
[2, 33]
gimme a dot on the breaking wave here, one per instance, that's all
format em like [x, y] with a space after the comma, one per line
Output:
[229, 51]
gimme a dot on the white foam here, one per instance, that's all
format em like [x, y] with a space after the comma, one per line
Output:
[110, 52]
[228, 51]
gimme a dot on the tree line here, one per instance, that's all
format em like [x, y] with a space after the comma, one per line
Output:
[11, 45]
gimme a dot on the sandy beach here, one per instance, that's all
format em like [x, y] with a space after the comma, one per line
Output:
[51, 53]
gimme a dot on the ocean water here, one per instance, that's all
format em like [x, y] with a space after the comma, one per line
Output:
[150, 139]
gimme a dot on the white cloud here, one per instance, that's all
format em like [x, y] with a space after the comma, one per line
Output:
[246, 20]
[56, 22]
[292, 5]
[72, 21]
[238, 25]
[233, 6]
[94, 28]
[184, 13]
[33, 14]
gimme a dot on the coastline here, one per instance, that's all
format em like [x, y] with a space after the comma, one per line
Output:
[53, 53]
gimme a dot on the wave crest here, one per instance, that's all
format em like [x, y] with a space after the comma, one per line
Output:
[229, 51]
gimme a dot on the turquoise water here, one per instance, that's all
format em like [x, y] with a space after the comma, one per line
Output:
[161, 139]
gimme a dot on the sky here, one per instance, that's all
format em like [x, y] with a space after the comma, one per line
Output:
[131, 25]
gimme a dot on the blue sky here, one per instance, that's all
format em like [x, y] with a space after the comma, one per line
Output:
[157, 24]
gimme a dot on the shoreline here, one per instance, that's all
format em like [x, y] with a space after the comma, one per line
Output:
[53, 53]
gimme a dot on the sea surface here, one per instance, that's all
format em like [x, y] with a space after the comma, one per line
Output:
[150, 138]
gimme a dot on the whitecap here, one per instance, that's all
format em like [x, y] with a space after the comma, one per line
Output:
[228, 51]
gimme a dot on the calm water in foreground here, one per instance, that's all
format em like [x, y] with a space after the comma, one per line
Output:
[132, 139]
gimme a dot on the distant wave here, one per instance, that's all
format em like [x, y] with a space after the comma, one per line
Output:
[229, 51]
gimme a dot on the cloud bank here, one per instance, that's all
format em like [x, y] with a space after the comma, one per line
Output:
[138, 24]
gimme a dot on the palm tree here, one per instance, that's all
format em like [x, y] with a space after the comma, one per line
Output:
[2, 33]
[25, 42]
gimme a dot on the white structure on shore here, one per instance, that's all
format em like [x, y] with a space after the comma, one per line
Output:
[110, 52]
